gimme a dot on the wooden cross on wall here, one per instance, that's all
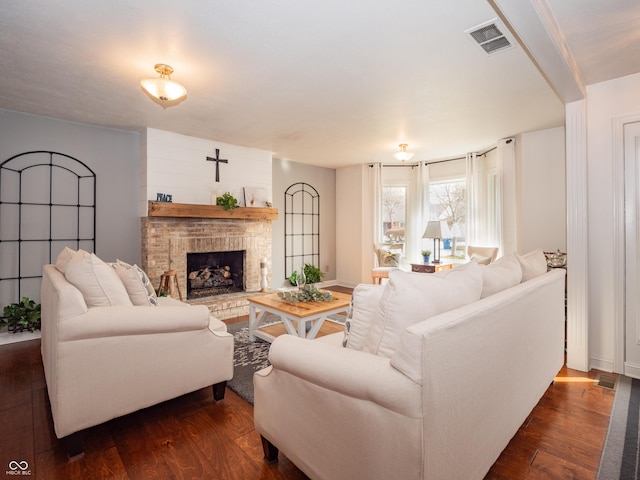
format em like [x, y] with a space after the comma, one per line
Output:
[217, 160]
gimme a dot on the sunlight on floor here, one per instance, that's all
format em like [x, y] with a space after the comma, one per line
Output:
[574, 380]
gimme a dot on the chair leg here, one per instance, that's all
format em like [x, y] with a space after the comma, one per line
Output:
[75, 443]
[270, 450]
[218, 391]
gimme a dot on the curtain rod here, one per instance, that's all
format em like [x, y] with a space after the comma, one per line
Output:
[434, 161]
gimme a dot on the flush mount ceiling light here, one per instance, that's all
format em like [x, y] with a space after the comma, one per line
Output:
[403, 155]
[163, 88]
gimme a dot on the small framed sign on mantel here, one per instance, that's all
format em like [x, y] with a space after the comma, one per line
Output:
[256, 197]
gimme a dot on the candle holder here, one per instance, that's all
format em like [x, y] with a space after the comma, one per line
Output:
[263, 275]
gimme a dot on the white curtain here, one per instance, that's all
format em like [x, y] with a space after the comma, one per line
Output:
[375, 193]
[473, 221]
[506, 166]
[418, 211]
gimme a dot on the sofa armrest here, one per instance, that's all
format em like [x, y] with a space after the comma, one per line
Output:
[349, 372]
[125, 320]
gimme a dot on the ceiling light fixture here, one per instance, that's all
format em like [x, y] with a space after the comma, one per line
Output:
[403, 155]
[163, 88]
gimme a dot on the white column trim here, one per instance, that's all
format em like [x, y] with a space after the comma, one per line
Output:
[577, 237]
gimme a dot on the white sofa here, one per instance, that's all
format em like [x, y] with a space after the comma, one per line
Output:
[438, 398]
[105, 361]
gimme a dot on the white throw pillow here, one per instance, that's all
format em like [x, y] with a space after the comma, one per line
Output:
[63, 259]
[500, 275]
[480, 260]
[533, 264]
[411, 297]
[364, 309]
[98, 282]
[137, 284]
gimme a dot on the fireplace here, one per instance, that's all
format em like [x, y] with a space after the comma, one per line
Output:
[214, 273]
[166, 241]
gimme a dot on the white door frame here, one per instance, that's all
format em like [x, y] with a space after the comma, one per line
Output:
[619, 270]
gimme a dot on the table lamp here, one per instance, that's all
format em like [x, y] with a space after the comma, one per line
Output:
[436, 229]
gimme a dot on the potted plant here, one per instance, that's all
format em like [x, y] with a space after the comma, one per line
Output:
[426, 255]
[227, 201]
[21, 316]
[312, 274]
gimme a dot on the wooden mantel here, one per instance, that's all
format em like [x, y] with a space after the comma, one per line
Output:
[186, 210]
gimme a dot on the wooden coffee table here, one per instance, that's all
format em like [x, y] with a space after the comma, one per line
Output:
[303, 313]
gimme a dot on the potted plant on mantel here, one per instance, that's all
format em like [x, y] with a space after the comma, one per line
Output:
[227, 201]
[426, 256]
[21, 316]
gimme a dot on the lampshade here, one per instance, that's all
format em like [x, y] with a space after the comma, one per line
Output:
[437, 229]
[403, 155]
[163, 88]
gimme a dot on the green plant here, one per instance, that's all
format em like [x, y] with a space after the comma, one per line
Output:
[307, 294]
[312, 273]
[24, 315]
[227, 201]
[426, 253]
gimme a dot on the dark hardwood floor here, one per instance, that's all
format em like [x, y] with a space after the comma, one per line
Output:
[194, 437]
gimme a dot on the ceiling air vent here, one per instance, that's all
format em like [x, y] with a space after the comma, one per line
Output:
[490, 37]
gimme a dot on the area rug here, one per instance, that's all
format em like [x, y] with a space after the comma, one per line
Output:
[249, 357]
[619, 458]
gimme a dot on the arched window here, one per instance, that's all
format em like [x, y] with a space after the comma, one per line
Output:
[301, 227]
[47, 202]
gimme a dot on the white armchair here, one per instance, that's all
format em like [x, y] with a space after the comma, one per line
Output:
[103, 362]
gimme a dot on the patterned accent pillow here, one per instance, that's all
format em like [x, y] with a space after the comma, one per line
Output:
[347, 325]
[137, 284]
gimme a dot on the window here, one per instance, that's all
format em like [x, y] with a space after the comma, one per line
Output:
[448, 202]
[394, 214]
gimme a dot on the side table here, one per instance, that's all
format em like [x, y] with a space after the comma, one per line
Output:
[430, 267]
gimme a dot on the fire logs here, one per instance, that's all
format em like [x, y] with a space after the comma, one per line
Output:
[209, 277]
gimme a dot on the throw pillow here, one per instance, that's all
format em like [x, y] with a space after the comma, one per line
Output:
[363, 311]
[137, 284]
[98, 282]
[63, 259]
[387, 258]
[480, 260]
[533, 264]
[500, 275]
[411, 297]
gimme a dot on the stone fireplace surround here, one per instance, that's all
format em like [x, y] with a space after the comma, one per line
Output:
[167, 240]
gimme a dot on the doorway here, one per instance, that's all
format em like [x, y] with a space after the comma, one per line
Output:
[631, 135]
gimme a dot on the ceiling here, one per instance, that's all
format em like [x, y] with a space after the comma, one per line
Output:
[329, 83]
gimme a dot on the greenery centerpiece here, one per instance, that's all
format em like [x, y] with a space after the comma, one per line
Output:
[308, 293]
[227, 201]
[312, 273]
[24, 315]
[426, 255]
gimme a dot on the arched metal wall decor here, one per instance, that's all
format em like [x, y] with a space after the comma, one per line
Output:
[301, 227]
[47, 202]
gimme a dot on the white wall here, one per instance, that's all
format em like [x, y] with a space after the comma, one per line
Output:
[114, 157]
[286, 173]
[606, 103]
[541, 190]
[177, 164]
[354, 249]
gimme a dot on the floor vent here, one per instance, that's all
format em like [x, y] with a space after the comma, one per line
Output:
[490, 37]
[606, 380]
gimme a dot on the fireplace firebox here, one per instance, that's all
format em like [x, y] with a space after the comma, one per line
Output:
[214, 273]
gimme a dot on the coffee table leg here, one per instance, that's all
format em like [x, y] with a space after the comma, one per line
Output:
[253, 322]
[315, 328]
